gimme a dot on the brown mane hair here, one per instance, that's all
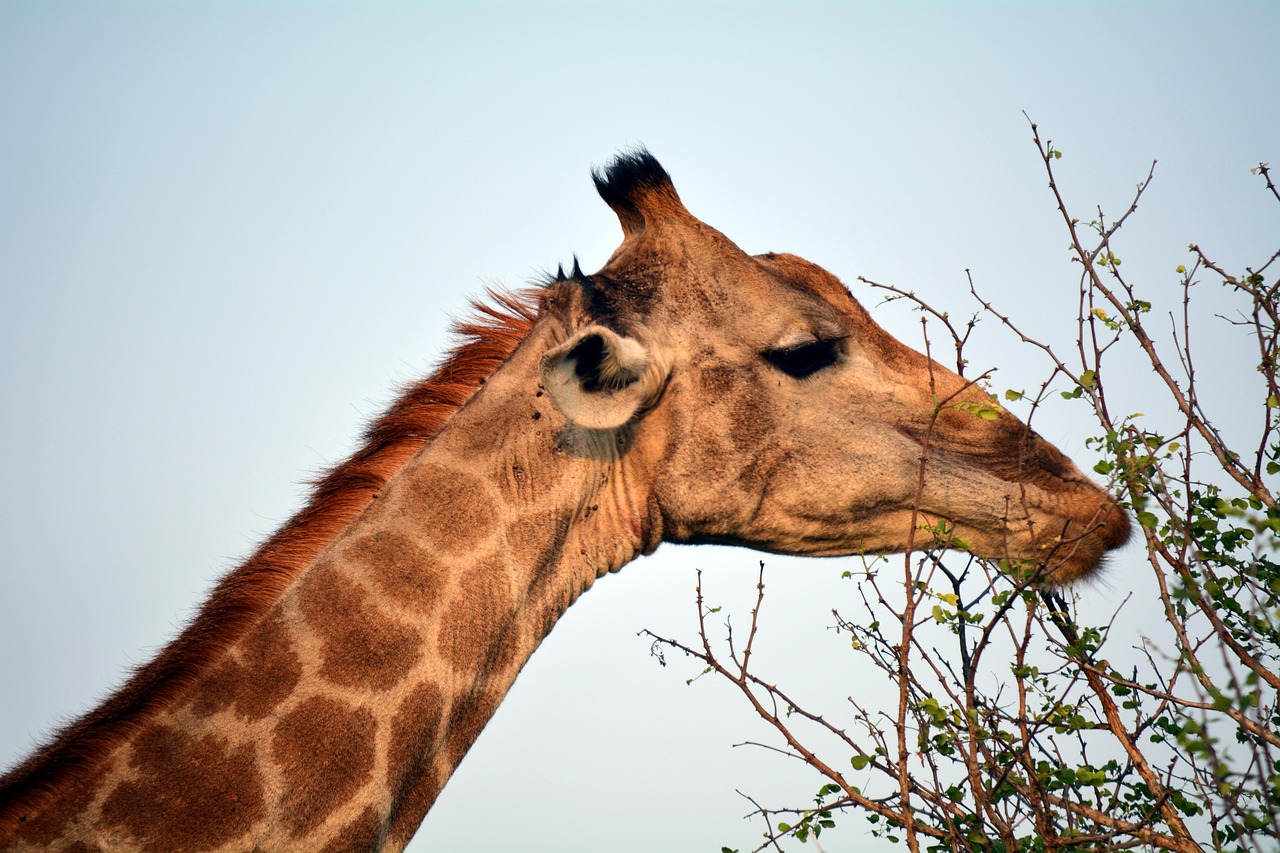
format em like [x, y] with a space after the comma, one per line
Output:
[244, 594]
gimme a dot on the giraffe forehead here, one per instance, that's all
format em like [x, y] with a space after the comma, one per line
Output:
[754, 311]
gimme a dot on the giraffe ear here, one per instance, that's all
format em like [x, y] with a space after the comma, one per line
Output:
[599, 379]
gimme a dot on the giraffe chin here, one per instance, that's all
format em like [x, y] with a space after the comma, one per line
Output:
[1053, 551]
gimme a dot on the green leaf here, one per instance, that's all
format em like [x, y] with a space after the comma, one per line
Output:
[1087, 378]
[860, 762]
[1148, 520]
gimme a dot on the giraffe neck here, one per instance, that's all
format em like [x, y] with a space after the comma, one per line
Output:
[338, 718]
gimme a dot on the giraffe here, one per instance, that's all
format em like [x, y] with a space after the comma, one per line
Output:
[686, 392]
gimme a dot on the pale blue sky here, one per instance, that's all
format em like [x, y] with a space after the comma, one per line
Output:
[227, 231]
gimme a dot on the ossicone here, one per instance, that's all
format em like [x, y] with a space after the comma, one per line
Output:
[638, 190]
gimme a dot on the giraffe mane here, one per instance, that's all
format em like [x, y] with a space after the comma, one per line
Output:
[243, 595]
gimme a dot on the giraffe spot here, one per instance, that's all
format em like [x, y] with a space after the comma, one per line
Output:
[535, 541]
[364, 646]
[359, 835]
[539, 542]
[470, 715]
[320, 726]
[479, 616]
[716, 381]
[711, 454]
[751, 421]
[218, 800]
[414, 730]
[46, 826]
[745, 409]
[455, 505]
[266, 672]
[402, 569]
[547, 603]
[414, 806]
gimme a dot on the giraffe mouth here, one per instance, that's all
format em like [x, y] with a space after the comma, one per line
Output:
[1019, 498]
[1081, 547]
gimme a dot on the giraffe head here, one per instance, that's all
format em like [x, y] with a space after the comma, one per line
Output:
[761, 405]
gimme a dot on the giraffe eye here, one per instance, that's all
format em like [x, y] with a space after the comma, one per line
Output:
[805, 359]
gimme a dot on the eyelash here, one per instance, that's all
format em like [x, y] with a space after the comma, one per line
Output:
[804, 360]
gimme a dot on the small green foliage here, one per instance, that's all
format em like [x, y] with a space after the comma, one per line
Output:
[944, 533]
[813, 821]
[705, 670]
[987, 410]
[1021, 723]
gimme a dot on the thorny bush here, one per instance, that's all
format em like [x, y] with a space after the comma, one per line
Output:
[1016, 726]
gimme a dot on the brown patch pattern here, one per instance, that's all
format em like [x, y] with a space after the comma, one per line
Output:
[469, 717]
[191, 793]
[402, 569]
[717, 380]
[265, 674]
[536, 541]
[243, 595]
[44, 828]
[314, 788]
[414, 733]
[414, 730]
[457, 505]
[751, 422]
[364, 646]
[416, 803]
[359, 836]
[478, 617]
